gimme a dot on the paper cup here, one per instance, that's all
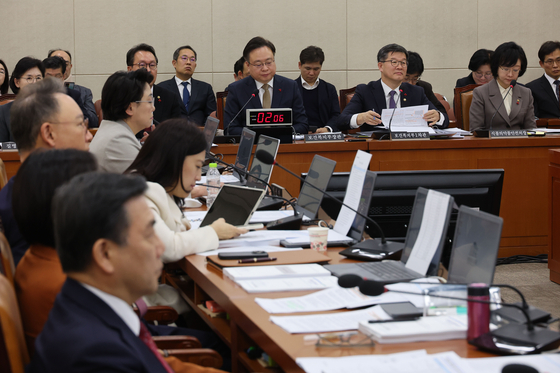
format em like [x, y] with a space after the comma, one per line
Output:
[318, 238]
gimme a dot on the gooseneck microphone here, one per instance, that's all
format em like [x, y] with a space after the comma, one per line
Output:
[266, 157]
[511, 85]
[253, 94]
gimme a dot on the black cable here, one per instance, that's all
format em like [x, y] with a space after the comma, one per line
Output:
[521, 259]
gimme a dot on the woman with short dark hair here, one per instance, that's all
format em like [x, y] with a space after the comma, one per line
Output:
[479, 65]
[4, 78]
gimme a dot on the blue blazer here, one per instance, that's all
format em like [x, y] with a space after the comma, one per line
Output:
[544, 99]
[286, 95]
[371, 96]
[201, 103]
[329, 106]
[83, 334]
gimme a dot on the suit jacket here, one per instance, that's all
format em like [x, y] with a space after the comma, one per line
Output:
[463, 82]
[372, 96]
[115, 146]
[286, 95]
[329, 106]
[5, 130]
[544, 99]
[18, 244]
[432, 97]
[487, 99]
[87, 100]
[167, 104]
[201, 103]
[83, 334]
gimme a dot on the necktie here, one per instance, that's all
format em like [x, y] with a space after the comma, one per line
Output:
[266, 97]
[392, 103]
[186, 95]
[146, 337]
[557, 83]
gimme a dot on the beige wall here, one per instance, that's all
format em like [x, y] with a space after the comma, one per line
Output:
[445, 33]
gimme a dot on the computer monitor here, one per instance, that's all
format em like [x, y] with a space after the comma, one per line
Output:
[309, 199]
[210, 131]
[261, 169]
[244, 153]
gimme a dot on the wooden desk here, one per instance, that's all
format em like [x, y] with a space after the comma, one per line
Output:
[249, 324]
[554, 215]
[11, 161]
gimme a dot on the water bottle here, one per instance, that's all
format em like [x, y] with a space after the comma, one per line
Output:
[212, 179]
[478, 313]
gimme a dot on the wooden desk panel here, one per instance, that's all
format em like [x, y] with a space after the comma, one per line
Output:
[554, 215]
[11, 161]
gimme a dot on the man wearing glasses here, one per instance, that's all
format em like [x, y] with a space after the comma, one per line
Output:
[364, 110]
[197, 96]
[264, 89]
[143, 56]
[546, 89]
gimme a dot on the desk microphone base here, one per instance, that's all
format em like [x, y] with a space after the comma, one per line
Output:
[516, 339]
[290, 223]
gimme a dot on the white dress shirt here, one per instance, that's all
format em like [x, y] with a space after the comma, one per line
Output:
[507, 99]
[308, 86]
[261, 89]
[551, 81]
[181, 87]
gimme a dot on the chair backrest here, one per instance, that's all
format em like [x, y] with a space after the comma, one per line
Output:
[13, 351]
[462, 103]
[7, 267]
[450, 113]
[98, 111]
[220, 107]
[8, 97]
[3, 175]
[345, 96]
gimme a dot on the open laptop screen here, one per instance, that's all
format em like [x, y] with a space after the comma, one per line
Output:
[261, 169]
[244, 152]
[319, 174]
[210, 131]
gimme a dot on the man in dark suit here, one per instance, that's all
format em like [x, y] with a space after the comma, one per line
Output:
[319, 97]
[263, 89]
[364, 110]
[168, 105]
[546, 91]
[197, 96]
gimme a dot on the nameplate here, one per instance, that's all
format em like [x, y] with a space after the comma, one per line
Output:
[410, 135]
[324, 137]
[506, 133]
[8, 145]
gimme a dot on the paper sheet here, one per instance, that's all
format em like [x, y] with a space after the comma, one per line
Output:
[261, 237]
[303, 238]
[288, 284]
[353, 192]
[223, 178]
[268, 216]
[406, 119]
[542, 363]
[268, 249]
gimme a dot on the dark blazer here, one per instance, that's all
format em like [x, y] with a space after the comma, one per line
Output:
[286, 95]
[78, 98]
[487, 99]
[5, 130]
[463, 82]
[544, 99]
[431, 96]
[87, 100]
[83, 334]
[201, 103]
[329, 106]
[167, 104]
[18, 244]
[371, 96]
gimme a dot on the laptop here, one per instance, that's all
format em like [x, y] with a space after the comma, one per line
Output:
[261, 169]
[309, 199]
[388, 272]
[209, 132]
[244, 153]
[235, 204]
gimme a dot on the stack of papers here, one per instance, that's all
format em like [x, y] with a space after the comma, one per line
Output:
[288, 284]
[274, 272]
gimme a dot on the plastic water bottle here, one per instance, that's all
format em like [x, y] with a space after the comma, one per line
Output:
[212, 179]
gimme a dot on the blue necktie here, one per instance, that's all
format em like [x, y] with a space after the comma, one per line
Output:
[186, 95]
[392, 103]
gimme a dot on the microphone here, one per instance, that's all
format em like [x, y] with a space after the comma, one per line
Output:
[518, 368]
[482, 131]
[266, 157]
[253, 94]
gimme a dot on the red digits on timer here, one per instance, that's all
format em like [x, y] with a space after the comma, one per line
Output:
[278, 118]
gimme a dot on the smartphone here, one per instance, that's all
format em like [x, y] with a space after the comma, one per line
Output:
[403, 310]
[243, 255]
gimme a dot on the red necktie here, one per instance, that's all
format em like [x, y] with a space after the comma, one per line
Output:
[146, 337]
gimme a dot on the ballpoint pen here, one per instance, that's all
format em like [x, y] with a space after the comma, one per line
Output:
[257, 260]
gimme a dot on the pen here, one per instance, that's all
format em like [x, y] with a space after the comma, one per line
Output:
[392, 320]
[257, 260]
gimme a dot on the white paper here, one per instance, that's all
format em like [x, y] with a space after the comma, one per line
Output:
[353, 192]
[268, 216]
[262, 237]
[288, 284]
[408, 118]
[330, 322]
[303, 238]
[226, 179]
[431, 230]
[542, 363]
[268, 249]
[279, 271]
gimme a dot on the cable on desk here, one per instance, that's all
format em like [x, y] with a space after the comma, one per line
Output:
[519, 259]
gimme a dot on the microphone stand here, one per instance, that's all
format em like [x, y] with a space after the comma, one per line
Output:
[480, 132]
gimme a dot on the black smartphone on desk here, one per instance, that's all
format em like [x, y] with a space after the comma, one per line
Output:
[243, 255]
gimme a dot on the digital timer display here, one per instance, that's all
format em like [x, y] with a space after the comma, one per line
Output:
[265, 117]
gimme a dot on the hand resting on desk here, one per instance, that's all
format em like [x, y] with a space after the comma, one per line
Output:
[226, 231]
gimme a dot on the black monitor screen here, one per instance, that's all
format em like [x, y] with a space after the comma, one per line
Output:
[210, 131]
[244, 152]
[319, 174]
[261, 169]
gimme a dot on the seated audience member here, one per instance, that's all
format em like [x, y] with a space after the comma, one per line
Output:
[414, 71]
[546, 89]
[269, 90]
[480, 67]
[85, 93]
[27, 71]
[39, 277]
[128, 106]
[55, 67]
[43, 116]
[240, 69]
[112, 257]
[364, 110]
[197, 96]
[171, 161]
[4, 78]
[508, 63]
[320, 99]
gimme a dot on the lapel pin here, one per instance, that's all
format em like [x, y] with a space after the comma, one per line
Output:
[517, 101]
[159, 99]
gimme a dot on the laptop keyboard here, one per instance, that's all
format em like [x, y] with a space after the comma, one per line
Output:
[386, 270]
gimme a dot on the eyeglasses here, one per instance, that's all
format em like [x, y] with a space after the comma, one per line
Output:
[395, 63]
[507, 70]
[83, 123]
[480, 74]
[150, 101]
[260, 65]
[187, 58]
[142, 65]
[411, 79]
[551, 61]
[32, 79]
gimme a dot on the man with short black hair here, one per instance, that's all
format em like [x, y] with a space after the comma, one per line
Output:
[319, 97]
[240, 69]
[364, 110]
[274, 91]
[546, 89]
[197, 96]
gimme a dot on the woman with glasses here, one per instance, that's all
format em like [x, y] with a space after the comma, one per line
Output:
[480, 67]
[503, 104]
[4, 80]
[128, 105]
[28, 70]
